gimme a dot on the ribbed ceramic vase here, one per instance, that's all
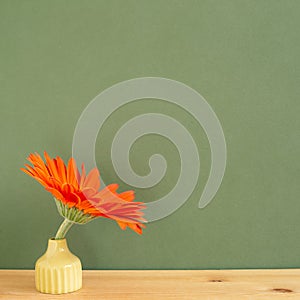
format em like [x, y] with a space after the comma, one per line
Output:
[58, 271]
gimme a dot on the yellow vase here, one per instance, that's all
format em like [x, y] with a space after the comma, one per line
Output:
[58, 271]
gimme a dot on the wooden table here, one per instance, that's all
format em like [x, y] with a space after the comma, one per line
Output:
[210, 284]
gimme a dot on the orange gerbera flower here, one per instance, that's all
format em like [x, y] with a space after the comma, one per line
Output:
[78, 197]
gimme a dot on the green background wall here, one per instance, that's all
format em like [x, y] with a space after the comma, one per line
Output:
[242, 56]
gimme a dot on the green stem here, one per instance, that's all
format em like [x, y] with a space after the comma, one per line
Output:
[63, 229]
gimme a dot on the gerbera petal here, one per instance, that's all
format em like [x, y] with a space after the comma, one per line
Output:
[52, 167]
[92, 179]
[32, 172]
[89, 192]
[135, 227]
[27, 172]
[75, 199]
[62, 169]
[82, 178]
[67, 188]
[122, 225]
[71, 173]
[127, 196]
[56, 194]
[113, 187]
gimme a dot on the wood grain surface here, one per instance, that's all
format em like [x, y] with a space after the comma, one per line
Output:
[166, 284]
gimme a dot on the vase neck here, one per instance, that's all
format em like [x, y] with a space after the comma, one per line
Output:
[55, 246]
